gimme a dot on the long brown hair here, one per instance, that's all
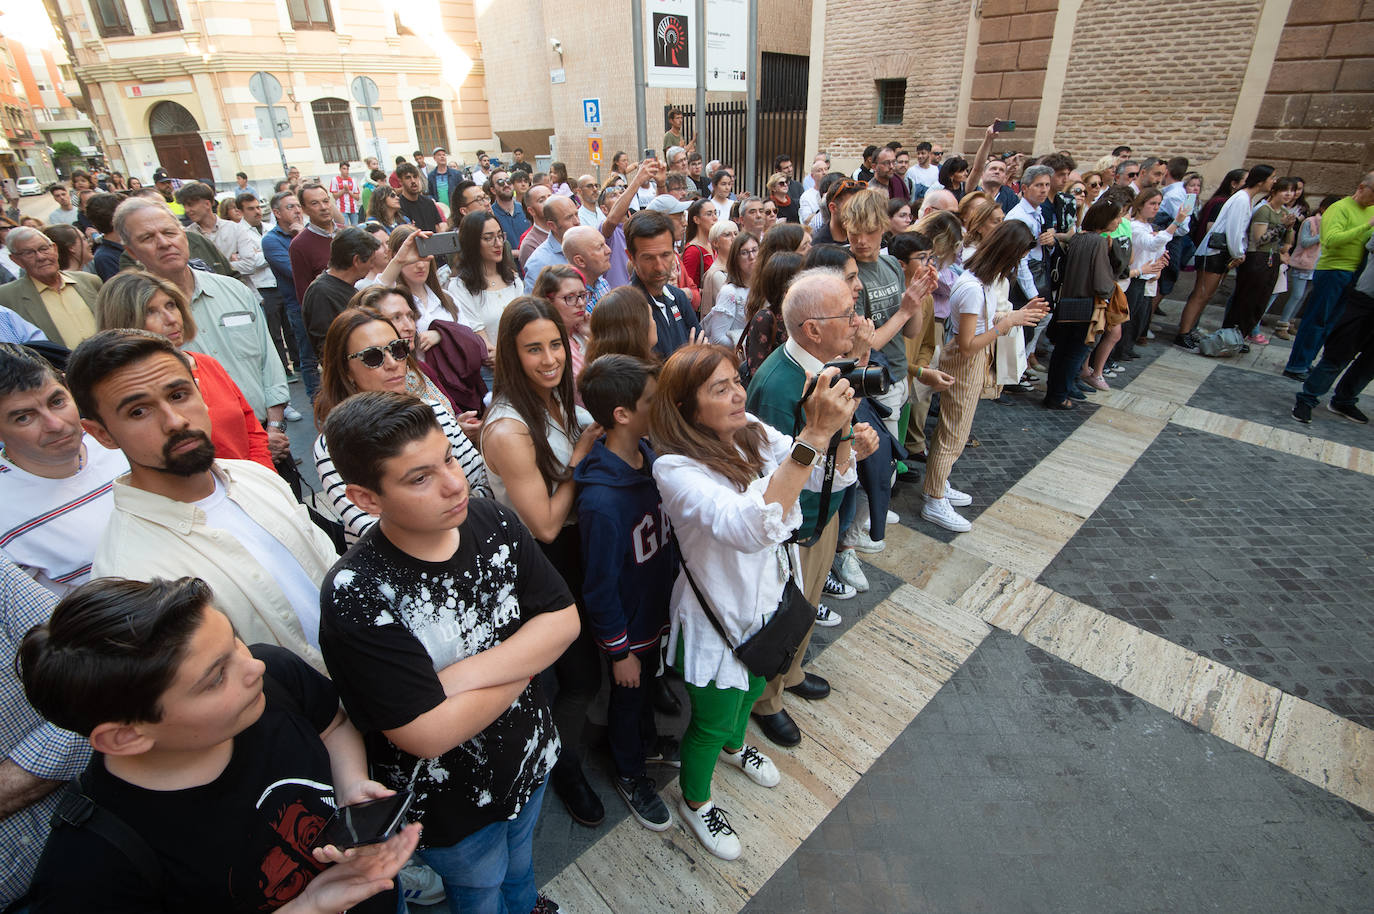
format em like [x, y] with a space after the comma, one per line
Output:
[335, 384]
[620, 324]
[782, 238]
[999, 255]
[394, 242]
[769, 285]
[975, 212]
[513, 384]
[673, 428]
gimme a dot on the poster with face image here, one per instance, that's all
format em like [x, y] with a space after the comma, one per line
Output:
[670, 44]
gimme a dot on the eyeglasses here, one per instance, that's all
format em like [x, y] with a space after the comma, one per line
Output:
[490, 237]
[375, 356]
[846, 316]
[1094, 185]
[575, 298]
[29, 252]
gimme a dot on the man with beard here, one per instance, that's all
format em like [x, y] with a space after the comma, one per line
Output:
[180, 512]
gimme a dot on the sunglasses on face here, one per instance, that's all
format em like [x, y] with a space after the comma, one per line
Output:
[1132, 174]
[501, 182]
[375, 356]
[1094, 185]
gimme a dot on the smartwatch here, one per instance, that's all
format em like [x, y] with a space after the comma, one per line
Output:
[805, 454]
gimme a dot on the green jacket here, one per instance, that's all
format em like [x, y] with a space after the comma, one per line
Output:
[1345, 229]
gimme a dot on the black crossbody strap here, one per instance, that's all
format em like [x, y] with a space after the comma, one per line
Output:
[79, 811]
[823, 514]
[706, 605]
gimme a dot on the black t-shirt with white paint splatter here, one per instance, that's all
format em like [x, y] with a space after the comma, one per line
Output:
[389, 622]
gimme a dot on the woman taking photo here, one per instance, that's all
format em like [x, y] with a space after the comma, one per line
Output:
[623, 323]
[722, 235]
[364, 352]
[484, 278]
[967, 357]
[533, 437]
[730, 486]
[696, 253]
[724, 323]
[561, 286]
[1087, 274]
[141, 301]
[763, 327]
[417, 274]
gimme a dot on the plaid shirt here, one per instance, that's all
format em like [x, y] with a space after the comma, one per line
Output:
[27, 740]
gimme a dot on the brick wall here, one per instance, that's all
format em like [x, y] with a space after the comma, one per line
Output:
[1013, 49]
[1171, 89]
[868, 40]
[1317, 117]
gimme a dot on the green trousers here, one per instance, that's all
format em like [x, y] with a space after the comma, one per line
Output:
[719, 718]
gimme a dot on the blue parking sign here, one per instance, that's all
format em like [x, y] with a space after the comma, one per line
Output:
[591, 111]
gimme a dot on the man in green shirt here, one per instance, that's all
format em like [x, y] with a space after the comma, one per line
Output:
[1345, 229]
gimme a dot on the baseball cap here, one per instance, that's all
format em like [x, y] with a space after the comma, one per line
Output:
[161, 175]
[667, 203]
[439, 149]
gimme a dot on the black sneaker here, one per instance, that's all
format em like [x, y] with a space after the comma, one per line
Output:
[644, 802]
[1295, 375]
[666, 750]
[836, 588]
[1187, 340]
[545, 905]
[1349, 412]
[1302, 412]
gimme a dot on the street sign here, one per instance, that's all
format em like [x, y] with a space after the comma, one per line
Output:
[591, 112]
[594, 149]
[265, 87]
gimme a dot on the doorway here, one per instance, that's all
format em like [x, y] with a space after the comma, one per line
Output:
[176, 137]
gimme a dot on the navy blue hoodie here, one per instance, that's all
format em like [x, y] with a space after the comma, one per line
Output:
[629, 560]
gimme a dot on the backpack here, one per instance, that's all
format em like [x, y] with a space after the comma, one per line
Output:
[1223, 343]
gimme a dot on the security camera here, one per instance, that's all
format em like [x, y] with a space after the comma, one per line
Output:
[557, 46]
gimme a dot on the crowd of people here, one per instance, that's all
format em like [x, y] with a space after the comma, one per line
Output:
[573, 439]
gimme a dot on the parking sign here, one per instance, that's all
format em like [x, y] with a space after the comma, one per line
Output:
[591, 111]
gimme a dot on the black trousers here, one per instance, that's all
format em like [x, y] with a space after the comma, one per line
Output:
[1255, 279]
[575, 677]
[630, 718]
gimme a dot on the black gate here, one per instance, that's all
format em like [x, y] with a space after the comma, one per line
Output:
[781, 124]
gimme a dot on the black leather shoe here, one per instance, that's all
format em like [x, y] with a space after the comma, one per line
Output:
[812, 688]
[780, 728]
[664, 698]
[580, 800]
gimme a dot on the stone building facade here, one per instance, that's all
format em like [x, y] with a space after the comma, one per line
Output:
[1224, 82]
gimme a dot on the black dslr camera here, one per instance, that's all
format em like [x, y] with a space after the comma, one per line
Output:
[872, 381]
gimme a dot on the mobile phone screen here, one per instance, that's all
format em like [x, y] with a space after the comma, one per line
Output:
[650, 154]
[371, 822]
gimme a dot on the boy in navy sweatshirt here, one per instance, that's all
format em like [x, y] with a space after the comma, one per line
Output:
[630, 562]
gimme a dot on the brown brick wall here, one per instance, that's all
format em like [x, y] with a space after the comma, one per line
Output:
[1173, 87]
[1317, 117]
[868, 40]
[1013, 49]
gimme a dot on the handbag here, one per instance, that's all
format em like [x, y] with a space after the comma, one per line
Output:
[770, 650]
[1218, 242]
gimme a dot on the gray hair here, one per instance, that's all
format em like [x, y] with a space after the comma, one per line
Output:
[809, 293]
[1122, 166]
[23, 233]
[130, 207]
[1034, 173]
[672, 153]
[720, 228]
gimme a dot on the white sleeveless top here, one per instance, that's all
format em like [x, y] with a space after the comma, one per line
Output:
[559, 441]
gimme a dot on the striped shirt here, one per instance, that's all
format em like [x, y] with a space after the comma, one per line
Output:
[355, 519]
[50, 527]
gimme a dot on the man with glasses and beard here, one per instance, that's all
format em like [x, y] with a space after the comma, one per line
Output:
[507, 210]
[181, 512]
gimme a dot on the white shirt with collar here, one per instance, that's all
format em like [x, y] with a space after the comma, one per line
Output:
[232, 329]
[242, 247]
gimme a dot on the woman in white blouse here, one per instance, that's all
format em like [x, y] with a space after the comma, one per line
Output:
[484, 278]
[729, 485]
[725, 321]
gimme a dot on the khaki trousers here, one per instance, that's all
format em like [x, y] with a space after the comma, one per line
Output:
[957, 406]
[815, 565]
[920, 397]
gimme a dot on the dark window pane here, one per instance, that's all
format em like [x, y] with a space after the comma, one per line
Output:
[337, 140]
[429, 123]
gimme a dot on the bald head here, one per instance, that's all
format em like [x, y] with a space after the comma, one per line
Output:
[561, 214]
[939, 201]
[586, 249]
[812, 293]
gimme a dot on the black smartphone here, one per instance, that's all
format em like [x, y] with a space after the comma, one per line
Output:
[440, 243]
[369, 822]
[650, 154]
[1003, 126]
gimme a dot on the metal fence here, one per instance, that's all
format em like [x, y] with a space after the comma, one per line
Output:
[723, 137]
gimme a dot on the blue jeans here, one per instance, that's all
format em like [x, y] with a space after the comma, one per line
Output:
[351, 218]
[1297, 288]
[491, 871]
[1322, 310]
[306, 363]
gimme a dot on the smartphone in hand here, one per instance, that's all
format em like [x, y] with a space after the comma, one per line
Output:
[369, 822]
[1000, 126]
[440, 243]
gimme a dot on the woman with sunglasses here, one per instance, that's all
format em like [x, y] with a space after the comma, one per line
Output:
[562, 286]
[484, 278]
[384, 208]
[142, 301]
[534, 436]
[967, 357]
[364, 352]
[724, 323]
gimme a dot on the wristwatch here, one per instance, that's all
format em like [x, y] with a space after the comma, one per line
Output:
[805, 454]
[278, 426]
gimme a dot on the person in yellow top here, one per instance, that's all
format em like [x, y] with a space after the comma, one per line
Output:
[60, 303]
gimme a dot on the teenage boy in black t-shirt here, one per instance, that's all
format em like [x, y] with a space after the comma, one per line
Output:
[213, 768]
[433, 626]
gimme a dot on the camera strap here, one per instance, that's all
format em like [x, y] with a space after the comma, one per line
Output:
[823, 515]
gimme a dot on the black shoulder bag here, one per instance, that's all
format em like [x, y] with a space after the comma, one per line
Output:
[770, 650]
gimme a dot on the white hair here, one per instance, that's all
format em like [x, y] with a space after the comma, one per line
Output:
[130, 207]
[720, 228]
[808, 295]
[938, 200]
[672, 153]
[22, 233]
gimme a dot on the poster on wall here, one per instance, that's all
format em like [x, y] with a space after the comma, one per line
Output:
[670, 44]
[727, 45]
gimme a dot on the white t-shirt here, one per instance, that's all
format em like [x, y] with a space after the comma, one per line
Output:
[928, 176]
[482, 311]
[50, 527]
[223, 513]
[970, 296]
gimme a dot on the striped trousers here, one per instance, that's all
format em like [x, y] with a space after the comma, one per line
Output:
[957, 406]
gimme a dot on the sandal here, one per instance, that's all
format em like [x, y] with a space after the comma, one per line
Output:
[1067, 404]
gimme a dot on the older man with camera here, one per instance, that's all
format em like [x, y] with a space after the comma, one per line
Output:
[822, 327]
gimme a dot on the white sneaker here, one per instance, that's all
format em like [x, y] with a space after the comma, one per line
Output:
[939, 512]
[861, 541]
[712, 829]
[420, 884]
[292, 414]
[827, 617]
[754, 763]
[847, 568]
[956, 498]
[893, 517]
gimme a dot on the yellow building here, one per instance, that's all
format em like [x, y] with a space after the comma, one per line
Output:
[168, 82]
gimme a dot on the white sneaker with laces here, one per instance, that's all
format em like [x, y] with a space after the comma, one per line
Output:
[939, 512]
[754, 763]
[847, 568]
[292, 414]
[861, 541]
[893, 517]
[956, 498]
[827, 617]
[712, 829]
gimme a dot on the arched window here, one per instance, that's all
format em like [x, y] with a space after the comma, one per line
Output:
[169, 117]
[430, 132]
[338, 143]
